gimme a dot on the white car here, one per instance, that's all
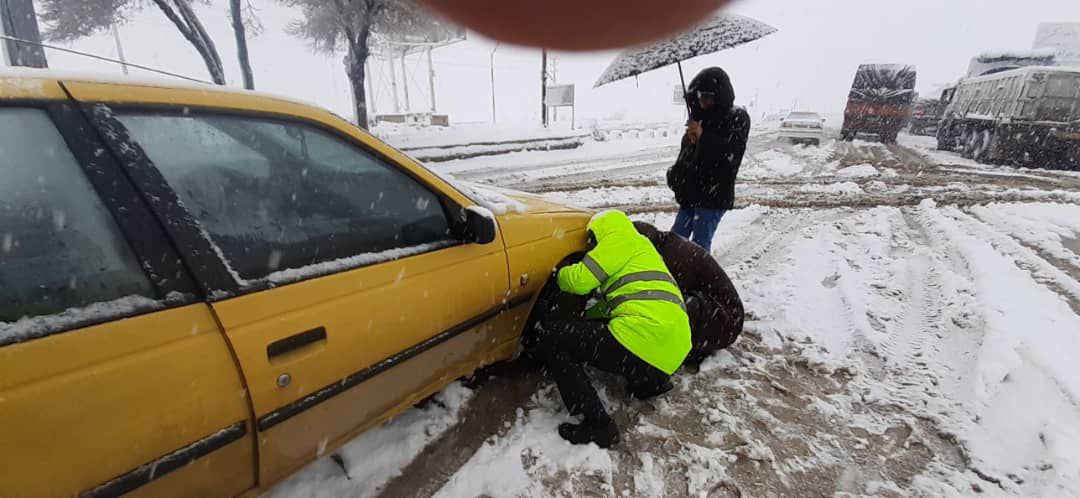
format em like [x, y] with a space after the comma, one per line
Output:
[805, 127]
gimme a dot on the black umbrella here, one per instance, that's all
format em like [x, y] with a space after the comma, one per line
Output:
[718, 33]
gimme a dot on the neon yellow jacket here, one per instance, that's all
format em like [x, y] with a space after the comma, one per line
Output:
[637, 293]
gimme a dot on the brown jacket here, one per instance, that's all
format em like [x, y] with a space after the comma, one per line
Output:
[715, 309]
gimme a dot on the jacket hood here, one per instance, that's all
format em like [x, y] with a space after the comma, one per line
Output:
[715, 81]
[607, 223]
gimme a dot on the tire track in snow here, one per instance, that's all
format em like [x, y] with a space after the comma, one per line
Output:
[1031, 236]
[769, 240]
[1017, 359]
[938, 331]
[1041, 270]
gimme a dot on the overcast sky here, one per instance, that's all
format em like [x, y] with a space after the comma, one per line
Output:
[809, 63]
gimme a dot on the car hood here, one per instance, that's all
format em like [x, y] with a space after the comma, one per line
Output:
[503, 201]
[526, 218]
[536, 204]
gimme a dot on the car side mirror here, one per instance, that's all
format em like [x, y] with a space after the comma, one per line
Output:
[480, 225]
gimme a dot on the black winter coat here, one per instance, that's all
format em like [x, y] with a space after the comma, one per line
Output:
[704, 174]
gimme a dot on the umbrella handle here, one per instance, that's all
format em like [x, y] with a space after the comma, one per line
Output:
[682, 80]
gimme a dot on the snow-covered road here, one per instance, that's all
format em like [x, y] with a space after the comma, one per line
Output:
[913, 322]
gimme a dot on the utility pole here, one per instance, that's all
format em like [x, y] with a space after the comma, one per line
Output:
[18, 20]
[554, 81]
[405, 83]
[393, 82]
[491, 63]
[543, 87]
[119, 49]
[431, 79]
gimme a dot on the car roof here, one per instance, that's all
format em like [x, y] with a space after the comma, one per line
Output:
[49, 84]
[27, 74]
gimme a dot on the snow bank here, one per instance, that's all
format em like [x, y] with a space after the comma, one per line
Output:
[590, 151]
[769, 164]
[411, 138]
[599, 197]
[858, 171]
[799, 160]
[841, 188]
[448, 153]
[378, 455]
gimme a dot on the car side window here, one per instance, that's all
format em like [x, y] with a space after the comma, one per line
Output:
[60, 248]
[285, 200]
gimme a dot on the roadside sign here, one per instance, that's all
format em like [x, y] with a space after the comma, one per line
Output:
[559, 96]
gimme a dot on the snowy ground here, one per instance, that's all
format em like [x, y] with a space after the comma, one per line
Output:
[913, 321]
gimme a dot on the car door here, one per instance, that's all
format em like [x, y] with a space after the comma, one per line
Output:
[356, 294]
[114, 377]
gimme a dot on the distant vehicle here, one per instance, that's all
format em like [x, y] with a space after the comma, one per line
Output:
[1026, 115]
[880, 101]
[802, 127]
[202, 290]
[925, 115]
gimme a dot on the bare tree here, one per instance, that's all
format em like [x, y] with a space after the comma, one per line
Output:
[68, 20]
[243, 19]
[357, 25]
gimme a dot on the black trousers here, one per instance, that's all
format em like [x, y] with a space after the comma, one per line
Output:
[566, 347]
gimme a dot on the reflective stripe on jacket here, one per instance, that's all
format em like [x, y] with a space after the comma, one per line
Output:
[637, 293]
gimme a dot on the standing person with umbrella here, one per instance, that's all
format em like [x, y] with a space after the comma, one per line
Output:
[703, 176]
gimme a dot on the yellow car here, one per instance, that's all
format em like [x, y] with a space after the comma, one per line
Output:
[203, 290]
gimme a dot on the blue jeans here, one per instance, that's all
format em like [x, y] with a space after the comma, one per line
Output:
[698, 224]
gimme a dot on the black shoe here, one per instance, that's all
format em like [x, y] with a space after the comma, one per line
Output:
[650, 391]
[605, 436]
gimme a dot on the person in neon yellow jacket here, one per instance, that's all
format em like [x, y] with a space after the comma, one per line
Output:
[638, 328]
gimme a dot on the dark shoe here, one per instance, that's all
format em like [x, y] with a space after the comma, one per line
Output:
[650, 391]
[605, 436]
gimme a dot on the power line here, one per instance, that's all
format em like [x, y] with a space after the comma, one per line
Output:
[103, 58]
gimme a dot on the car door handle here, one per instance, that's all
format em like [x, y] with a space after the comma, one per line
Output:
[296, 341]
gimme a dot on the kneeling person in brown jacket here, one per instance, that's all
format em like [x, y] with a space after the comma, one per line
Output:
[716, 312]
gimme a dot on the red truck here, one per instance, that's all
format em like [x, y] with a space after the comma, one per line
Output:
[879, 102]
